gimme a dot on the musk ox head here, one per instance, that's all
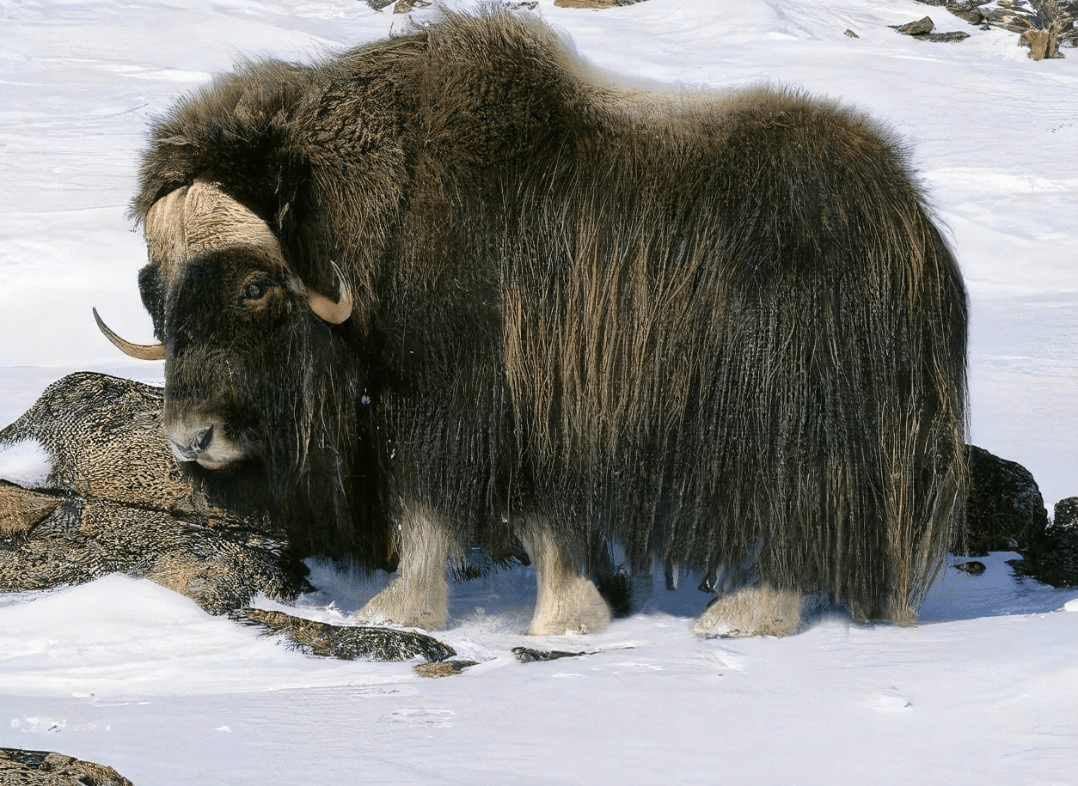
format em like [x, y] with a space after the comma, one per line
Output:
[240, 332]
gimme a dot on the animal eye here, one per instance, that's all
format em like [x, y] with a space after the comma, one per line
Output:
[256, 287]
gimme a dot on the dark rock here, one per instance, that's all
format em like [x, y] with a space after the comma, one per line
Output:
[378, 5]
[973, 567]
[1009, 19]
[40, 768]
[529, 655]
[968, 12]
[944, 38]
[1053, 554]
[851, 34]
[347, 642]
[1004, 510]
[934, 3]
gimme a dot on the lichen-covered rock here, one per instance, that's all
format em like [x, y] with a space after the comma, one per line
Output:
[917, 27]
[594, 3]
[346, 642]
[445, 668]
[922, 30]
[40, 768]
[111, 499]
[115, 500]
[968, 11]
[1043, 25]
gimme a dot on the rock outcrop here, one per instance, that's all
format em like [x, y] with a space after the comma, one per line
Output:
[40, 768]
[108, 497]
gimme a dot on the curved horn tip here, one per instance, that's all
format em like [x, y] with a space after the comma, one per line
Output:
[137, 351]
[334, 312]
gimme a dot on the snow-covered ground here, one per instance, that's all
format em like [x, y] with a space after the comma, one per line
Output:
[125, 673]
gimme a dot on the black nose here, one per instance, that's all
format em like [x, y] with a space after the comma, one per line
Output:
[196, 444]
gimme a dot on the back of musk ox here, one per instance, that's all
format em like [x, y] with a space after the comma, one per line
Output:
[453, 289]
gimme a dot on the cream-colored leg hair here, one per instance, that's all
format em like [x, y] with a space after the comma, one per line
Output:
[752, 611]
[418, 596]
[565, 599]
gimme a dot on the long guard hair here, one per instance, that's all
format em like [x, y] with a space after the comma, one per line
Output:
[720, 330]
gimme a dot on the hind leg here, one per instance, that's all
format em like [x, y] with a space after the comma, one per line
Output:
[418, 596]
[565, 600]
[752, 611]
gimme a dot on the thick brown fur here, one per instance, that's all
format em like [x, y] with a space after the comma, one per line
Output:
[720, 330]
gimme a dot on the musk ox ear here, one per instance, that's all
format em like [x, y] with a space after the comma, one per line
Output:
[334, 312]
[137, 351]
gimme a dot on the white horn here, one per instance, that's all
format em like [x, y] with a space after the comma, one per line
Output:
[137, 351]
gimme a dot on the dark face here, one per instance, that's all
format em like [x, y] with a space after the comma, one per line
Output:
[232, 323]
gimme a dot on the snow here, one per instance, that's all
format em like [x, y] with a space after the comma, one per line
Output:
[26, 463]
[125, 673]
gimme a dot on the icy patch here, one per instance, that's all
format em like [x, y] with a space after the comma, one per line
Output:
[165, 74]
[890, 700]
[38, 724]
[987, 180]
[25, 463]
[422, 716]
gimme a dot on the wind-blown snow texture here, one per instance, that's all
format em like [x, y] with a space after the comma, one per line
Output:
[127, 674]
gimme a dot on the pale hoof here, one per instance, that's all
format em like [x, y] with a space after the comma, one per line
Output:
[575, 607]
[399, 604]
[752, 611]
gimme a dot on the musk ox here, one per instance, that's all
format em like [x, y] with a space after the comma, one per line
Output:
[455, 288]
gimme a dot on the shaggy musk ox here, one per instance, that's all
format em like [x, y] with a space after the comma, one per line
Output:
[454, 289]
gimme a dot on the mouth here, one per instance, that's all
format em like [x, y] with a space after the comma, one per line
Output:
[207, 462]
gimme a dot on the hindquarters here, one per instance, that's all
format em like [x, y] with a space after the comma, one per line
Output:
[834, 429]
[745, 353]
[841, 388]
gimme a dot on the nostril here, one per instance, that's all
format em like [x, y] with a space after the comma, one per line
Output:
[201, 440]
[193, 446]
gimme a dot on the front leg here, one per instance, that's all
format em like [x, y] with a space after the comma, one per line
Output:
[565, 599]
[418, 596]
